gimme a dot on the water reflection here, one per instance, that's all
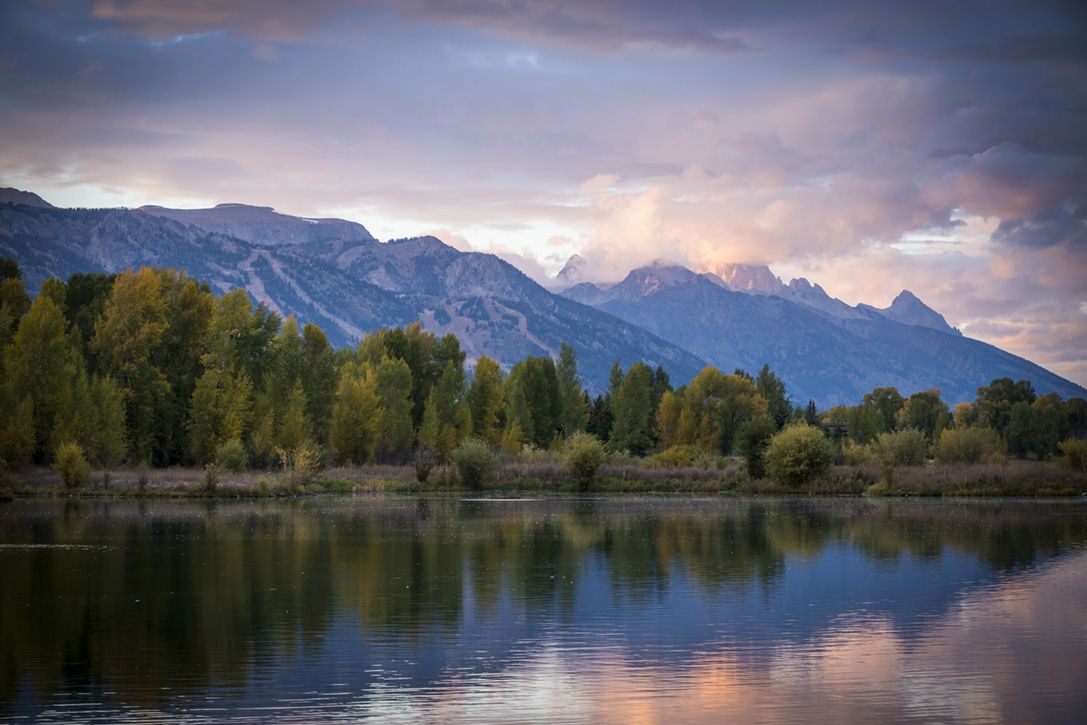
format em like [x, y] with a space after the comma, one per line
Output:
[593, 610]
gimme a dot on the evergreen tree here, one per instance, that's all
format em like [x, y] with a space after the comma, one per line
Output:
[632, 430]
[811, 415]
[519, 423]
[573, 412]
[600, 418]
[318, 381]
[772, 389]
[539, 384]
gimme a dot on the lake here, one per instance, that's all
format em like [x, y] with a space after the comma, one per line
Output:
[613, 609]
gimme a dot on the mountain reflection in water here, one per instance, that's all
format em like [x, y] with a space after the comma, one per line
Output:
[593, 610]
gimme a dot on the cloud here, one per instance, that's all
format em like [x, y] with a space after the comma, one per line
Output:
[1045, 228]
[847, 141]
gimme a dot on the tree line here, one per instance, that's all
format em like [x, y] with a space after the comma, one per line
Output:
[151, 368]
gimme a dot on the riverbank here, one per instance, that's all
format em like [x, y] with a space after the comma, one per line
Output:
[1015, 478]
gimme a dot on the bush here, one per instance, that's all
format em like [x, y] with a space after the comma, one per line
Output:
[583, 456]
[857, 454]
[425, 459]
[684, 456]
[211, 480]
[475, 462]
[907, 447]
[753, 438]
[797, 455]
[1074, 454]
[232, 456]
[969, 445]
[72, 465]
[301, 464]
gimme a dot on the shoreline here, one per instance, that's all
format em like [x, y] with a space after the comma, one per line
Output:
[1015, 479]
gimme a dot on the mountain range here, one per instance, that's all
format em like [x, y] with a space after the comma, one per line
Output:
[336, 274]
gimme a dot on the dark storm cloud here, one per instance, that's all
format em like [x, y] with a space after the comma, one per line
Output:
[1045, 228]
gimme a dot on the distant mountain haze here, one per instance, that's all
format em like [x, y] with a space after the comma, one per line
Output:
[822, 348]
[334, 273]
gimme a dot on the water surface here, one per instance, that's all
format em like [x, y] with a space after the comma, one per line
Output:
[591, 610]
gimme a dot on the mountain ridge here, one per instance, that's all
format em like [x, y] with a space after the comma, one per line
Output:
[347, 286]
[348, 282]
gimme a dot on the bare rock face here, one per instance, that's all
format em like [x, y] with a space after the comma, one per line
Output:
[749, 278]
[909, 310]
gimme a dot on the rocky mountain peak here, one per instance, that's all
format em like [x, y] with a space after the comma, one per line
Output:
[749, 278]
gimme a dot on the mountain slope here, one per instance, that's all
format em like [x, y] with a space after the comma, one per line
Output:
[264, 226]
[828, 358]
[348, 286]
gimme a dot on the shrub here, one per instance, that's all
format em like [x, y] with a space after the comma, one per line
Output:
[753, 438]
[857, 454]
[797, 455]
[583, 456]
[232, 456]
[475, 462]
[907, 447]
[211, 480]
[684, 456]
[425, 459]
[1074, 454]
[969, 445]
[72, 465]
[301, 464]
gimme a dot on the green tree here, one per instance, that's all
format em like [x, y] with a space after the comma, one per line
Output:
[995, 400]
[573, 412]
[1050, 425]
[485, 399]
[393, 386]
[292, 428]
[926, 412]
[536, 378]
[888, 402]
[634, 414]
[1019, 429]
[220, 410]
[446, 418]
[600, 417]
[356, 418]
[318, 381]
[127, 342]
[753, 440]
[772, 389]
[39, 366]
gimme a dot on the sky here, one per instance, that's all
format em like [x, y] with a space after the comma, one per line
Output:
[870, 147]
